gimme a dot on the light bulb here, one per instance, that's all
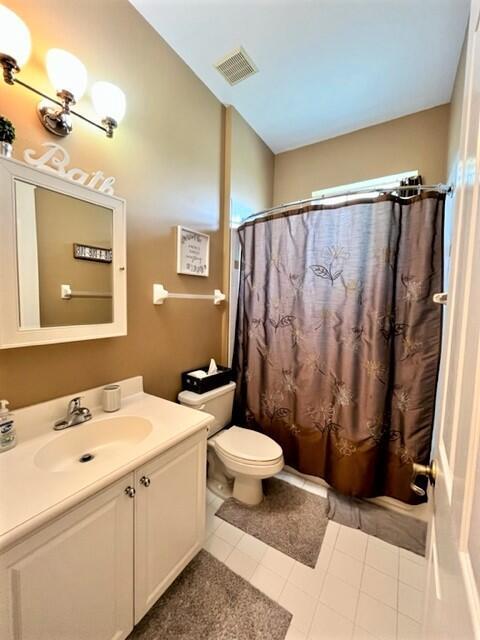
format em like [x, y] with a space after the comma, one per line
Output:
[15, 38]
[66, 72]
[109, 101]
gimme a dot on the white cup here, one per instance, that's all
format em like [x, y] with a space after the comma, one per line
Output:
[112, 398]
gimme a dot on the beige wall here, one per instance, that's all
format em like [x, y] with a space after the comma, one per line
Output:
[418, 141]
[61, 222]
[252, 164]
[456, 113]
[247, 188]
[167, 162]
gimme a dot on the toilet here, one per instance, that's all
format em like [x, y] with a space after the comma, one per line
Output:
[238, 458]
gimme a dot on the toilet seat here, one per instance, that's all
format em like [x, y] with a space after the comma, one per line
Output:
[247, 447]
[246, 463]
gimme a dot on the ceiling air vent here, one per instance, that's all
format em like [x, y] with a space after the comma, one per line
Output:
[236, 66]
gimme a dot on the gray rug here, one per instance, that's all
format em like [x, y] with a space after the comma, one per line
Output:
[290, 519]
[208, 601]
[396, 528]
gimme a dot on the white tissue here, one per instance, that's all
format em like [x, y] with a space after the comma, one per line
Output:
[199, 373]
[212, 368]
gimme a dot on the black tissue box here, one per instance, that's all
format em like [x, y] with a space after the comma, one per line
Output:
[202, 385]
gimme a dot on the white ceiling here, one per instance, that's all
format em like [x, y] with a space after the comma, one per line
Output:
[326, 67]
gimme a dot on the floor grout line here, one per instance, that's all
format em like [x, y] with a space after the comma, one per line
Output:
[410, 617]
[359, 592]
[323, 583]
[398, 592]
[407, 584]
[384, 573]
[324, 604]
[368, 631]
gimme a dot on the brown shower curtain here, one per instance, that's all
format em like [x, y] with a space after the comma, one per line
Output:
[338, 340]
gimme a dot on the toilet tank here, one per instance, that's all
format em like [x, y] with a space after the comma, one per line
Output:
[218, 403]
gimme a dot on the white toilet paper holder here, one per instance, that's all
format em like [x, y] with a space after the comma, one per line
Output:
[160, 294]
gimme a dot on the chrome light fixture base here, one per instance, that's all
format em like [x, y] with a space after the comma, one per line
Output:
[10, 68]
[110, 125]
[57, 120]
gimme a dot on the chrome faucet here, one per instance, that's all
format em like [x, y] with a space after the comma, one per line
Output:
[76, 414]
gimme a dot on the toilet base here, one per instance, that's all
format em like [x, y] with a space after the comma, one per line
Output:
[242, 488]
[248, 490]
[218, 481]
[221, 489]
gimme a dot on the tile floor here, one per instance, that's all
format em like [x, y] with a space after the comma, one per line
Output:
[361, 589]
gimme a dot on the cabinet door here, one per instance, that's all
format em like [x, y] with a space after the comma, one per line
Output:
[169, 518]
[73, 579]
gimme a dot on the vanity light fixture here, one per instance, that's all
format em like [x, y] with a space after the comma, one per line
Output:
[66, 73]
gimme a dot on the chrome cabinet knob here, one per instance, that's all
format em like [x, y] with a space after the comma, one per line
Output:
[130, 492]
[428, 470]
[145, 480]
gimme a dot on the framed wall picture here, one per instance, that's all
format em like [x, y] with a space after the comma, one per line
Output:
[193, 252]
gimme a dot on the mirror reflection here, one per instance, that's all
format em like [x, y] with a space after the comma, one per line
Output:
[64, 257]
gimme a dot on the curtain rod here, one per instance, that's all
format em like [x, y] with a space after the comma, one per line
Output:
[442, 188]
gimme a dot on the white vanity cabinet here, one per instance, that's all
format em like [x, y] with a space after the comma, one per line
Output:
[73, 579]
[94, 572]
[169, 518]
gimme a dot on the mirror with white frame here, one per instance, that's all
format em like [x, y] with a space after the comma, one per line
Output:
[62, 263]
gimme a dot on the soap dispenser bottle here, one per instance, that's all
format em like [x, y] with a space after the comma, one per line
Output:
[8, 438]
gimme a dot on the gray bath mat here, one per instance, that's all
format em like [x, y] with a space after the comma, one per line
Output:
[208, 601]
[395, 528]
[290, 519]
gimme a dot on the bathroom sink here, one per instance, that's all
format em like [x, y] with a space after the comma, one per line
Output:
[91, 442]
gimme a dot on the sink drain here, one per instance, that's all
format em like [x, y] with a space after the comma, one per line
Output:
[86, 457]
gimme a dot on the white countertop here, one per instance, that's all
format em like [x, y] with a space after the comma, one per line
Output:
[31, 496]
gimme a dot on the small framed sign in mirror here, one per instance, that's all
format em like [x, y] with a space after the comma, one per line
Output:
[95, 254]
[193, 252]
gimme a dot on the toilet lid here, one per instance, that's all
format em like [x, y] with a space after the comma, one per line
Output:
[248, 445]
